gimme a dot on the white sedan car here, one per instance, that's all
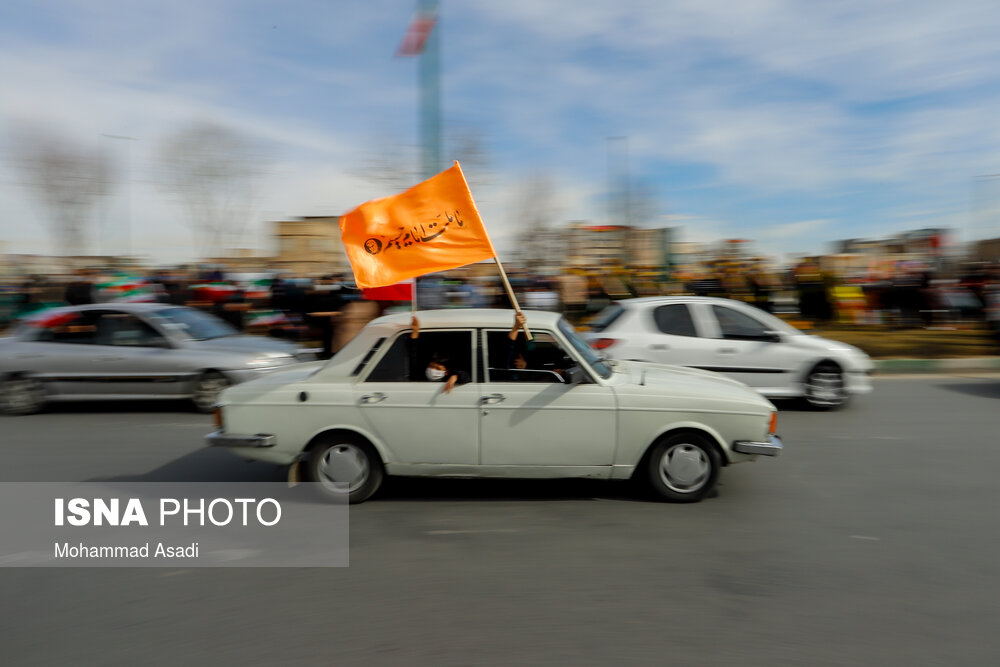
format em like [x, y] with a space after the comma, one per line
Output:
[561, 412]
[736, 339]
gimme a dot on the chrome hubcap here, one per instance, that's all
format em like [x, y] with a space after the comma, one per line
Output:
[825, 388]
[21, 394]
[685, 468]
[344, 464]
[207, 391]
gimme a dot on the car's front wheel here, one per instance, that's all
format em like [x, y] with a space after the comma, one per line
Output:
[345, 463]
[21, 395]
[207, 389]
[824, 387]
[683, 467]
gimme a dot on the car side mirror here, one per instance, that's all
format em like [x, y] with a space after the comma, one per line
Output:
[772, 336]
[573, 375]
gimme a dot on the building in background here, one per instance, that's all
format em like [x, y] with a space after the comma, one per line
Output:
[309, 247]
[651, 250]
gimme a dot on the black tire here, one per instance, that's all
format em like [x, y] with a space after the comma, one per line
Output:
[683, 467]
[21, 395]
[345, 459]
[823, 388]
[206, 390]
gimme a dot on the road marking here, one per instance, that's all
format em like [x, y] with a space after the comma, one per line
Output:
[464, 532]
[176, 572]
[865, 537]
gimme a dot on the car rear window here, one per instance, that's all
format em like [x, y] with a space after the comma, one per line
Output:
[606, 317]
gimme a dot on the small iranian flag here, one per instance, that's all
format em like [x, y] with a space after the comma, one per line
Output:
[417, 34]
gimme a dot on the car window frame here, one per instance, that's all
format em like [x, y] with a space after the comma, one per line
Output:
[698, 329]
[718, 327]
[34, 332]
[122, 313]
[484, 356]
[592, 376]
[390, 341]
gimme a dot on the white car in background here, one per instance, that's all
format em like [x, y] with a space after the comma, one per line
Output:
[735, 339]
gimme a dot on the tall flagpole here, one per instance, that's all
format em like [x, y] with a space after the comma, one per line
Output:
[429, 69]
[430, 93]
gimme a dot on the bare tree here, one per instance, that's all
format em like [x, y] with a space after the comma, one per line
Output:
[395, 165]
[212, 171]
[536, 211]
[67, 179]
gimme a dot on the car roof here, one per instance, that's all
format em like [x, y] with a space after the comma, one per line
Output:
[468, 317]
[129, 307]
[647, 300]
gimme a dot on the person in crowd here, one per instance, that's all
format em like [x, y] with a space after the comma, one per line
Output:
[79, 291]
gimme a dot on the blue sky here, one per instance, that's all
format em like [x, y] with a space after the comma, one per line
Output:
[790, 123]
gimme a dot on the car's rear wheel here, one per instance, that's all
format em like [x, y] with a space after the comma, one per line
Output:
[683, 467]
[207, 389]
[21, 395]
[824, 387]
[345, 463]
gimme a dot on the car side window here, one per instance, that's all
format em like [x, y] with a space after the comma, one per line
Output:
[407, 358]
[674, 319]
[72, 327]
[738, 326]
[541, 360]
[125, 330]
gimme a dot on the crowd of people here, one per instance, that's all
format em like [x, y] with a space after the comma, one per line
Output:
[329, 309]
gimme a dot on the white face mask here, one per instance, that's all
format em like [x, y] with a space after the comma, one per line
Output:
[435, 374]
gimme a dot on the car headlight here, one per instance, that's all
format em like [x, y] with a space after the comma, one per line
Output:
[271, 360]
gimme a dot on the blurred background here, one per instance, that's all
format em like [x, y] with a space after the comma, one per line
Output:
[837, 166]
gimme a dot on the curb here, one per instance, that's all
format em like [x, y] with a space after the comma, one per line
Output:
[887, 366]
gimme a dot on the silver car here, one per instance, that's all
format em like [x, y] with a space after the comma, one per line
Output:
[735, 339]
[131, 351]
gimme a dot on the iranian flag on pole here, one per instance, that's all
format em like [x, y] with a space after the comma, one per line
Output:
[417, 34]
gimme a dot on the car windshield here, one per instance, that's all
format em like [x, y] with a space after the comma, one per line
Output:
[195, 324]
[585, 350]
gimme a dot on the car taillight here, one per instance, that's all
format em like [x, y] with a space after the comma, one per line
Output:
[602, 343]
[217, 417]
[772, 428]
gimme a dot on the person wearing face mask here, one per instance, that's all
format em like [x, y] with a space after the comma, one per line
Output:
[437, 369]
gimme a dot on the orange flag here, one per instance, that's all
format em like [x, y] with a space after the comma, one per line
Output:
[433, 226]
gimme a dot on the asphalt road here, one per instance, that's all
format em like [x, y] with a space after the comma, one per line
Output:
[871, 541]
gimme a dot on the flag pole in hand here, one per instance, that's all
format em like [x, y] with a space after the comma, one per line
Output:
[510, 293]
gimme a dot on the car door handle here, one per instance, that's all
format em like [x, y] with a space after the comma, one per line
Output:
[108, 358]
[377, 397]
[659, 346]
[727, 350]
[491, 399]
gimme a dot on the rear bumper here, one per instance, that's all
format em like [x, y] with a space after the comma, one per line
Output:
[772, 447]
[221, 439]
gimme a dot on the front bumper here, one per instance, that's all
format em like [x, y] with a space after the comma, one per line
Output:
[222, 439]
[772, 447]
